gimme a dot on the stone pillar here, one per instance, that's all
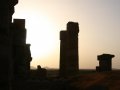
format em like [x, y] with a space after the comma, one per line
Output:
[72, 47]
[21, 50]
[6, 11]
[63, 53]
[69, 50]
[105, 62]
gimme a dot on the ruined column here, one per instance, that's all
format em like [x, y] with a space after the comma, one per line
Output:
[105, 62]
[73, 30]
[21, 50]
[63, 53]
[6, 12]
[69, 64]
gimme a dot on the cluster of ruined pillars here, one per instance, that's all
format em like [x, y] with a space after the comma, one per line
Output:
[69, 60]
[69, 50]
[15, 54]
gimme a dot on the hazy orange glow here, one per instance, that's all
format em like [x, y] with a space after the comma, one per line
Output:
[99, 29]
[41, 36]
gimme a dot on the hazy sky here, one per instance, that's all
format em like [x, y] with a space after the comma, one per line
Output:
[99, 23]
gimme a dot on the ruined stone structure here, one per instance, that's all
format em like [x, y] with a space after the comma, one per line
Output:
[6, 11]
[41, 72]
[69, 50]
[105, 62]
[15, 54]
[21, 50]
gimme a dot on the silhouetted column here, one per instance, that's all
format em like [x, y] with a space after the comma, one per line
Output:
[69, 50]
[21, 50]
[72, 47]
[105, 62]
[6, 11]
[63, 53]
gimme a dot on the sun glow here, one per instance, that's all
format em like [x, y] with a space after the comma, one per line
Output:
[40, 34]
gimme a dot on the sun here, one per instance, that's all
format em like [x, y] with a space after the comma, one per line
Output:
[40, 34]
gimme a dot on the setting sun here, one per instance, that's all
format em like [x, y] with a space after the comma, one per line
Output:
[40, 34]
[99, 29]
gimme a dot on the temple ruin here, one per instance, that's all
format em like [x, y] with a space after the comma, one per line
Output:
[69, 50]
[105, 62]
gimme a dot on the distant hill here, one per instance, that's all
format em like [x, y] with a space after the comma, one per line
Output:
[32, 67]
[97, 81]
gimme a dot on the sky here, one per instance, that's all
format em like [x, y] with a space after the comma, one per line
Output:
[99, 24]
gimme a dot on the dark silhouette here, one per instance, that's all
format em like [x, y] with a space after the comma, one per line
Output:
[21, 50]
[69, 50]
[105, 62]
[98, 87]
[39, 73]
[15, 58]
[6, 64]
